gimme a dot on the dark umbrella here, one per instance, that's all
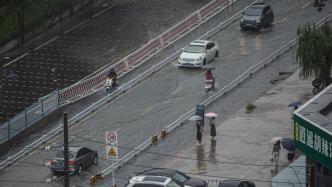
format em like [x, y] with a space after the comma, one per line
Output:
[294, 104]
[288, 144]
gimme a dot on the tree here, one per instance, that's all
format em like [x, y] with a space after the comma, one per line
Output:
[20, 21]
[314, 52]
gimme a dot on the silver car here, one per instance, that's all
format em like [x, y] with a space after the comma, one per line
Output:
[79, 159]
[198, 53]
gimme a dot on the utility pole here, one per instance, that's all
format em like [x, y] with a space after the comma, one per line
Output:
[65, 151]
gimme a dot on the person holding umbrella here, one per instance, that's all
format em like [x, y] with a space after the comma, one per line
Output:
[289, 145]
[199, 128]
[211, 116]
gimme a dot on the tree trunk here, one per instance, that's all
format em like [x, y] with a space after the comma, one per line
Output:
[20, 23]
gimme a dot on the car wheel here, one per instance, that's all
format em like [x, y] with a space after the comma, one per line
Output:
[204, 62]
[95, 160]
[316, 83]
[217, 54]
[79, 170]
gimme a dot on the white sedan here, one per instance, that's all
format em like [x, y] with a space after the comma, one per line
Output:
[198, 53]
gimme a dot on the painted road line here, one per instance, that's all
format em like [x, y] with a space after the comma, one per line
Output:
[102, 11]
[67, 31]
[15, 59]
[282, 20]
[305, 5]
[46, 43]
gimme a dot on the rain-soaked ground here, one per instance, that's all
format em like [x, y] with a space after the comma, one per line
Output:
[159, 100]
[78, 52]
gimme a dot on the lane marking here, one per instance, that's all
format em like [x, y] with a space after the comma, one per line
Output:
[179, 87]
[282, 20]
[15, 59]
[305, 5]
[102, 11]
[51, 40]
[67, 31]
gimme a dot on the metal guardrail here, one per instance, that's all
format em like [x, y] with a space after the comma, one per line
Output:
[230, 86]
[42, 140]
[30, 115]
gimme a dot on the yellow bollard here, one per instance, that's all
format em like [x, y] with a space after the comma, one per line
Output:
[93, 180]
[154, 139]
[163, 133]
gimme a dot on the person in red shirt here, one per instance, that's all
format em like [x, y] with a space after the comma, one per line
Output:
[209, 77]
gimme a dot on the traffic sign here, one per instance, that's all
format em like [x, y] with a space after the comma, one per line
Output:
[111, 138]
[112, 152]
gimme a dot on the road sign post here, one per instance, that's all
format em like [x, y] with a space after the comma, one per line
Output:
[112, 151]
[200, 112]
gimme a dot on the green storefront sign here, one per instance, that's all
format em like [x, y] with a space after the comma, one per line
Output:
[313, 141]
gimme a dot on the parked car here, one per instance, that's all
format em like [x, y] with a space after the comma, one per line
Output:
[79, 158]
[257, 16]
[151, 181]
[198, 53]
[236, 183]
[176, 176]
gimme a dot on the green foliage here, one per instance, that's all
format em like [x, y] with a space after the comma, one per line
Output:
[314, 52]
[34, 12]
[250, 107]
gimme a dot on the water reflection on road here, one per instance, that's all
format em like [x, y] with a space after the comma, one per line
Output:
[201, 165]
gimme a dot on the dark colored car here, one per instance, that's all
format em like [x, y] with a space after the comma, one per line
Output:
[257, 16]
[176, 176]
[236, 183]
[79, 159]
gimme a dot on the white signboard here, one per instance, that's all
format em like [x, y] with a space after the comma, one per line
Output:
[112, 145]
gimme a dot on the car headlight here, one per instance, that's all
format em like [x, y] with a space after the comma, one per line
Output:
[258, 21]
[199, 59]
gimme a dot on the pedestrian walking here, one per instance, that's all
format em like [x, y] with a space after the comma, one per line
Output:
[199, 127]
[213, 131]
[290, 156]
[276, 153]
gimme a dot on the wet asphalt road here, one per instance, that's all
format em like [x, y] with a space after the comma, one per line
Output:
[150, 106]
[78, 52]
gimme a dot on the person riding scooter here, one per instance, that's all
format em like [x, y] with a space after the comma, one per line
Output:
[209, 81]
[111, 82]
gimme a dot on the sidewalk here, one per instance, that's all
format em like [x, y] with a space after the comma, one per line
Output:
[244, 139]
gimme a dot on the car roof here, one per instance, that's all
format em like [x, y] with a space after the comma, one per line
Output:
[74, 148]
[199, 42]
[161, 172]
[162, 180]
[259, 5]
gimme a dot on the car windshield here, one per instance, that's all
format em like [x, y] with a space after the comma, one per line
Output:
[71, 154]
[194, 49]
[180, 178]
[253, 12]
[172, 184]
